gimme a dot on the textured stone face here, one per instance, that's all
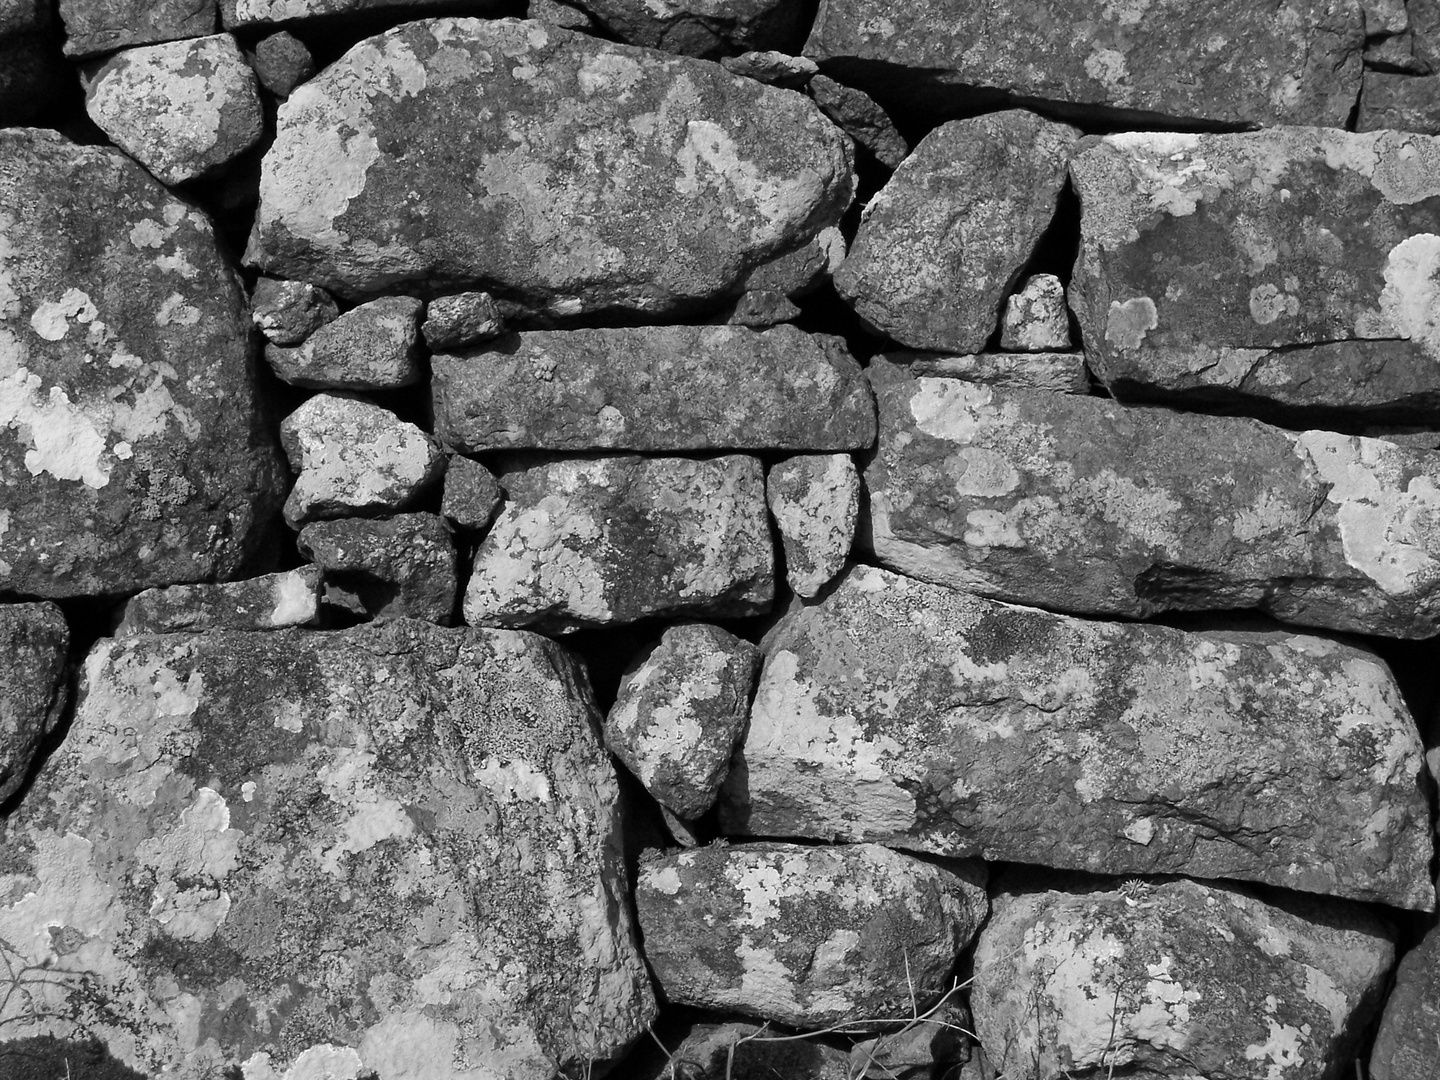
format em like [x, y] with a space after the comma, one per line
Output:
[708, 28]
[131, 452]
[1405, 1044]
[461, 319]
[1061, 372]
[399, 567]
[271, 602]
[287, 312]
[1401, 102]
[1035, 317]
[472, 494]
[101, 26]
[236, 13]
[815, 501]
[1085, 505]
[860, 117]
[904, 713]
[34, 640]
[370, 347]
[358, 190]
[807, 936]
[390, 850]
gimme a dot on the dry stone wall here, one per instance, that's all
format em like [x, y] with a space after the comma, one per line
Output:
[693, 541]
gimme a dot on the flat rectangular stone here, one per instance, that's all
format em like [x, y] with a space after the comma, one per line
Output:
[271, 602]
[1062, 372]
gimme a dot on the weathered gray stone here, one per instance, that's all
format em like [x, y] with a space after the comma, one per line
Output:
[271, 602]
[371, 347]
[1400, 103]
[740, 1051]
[287, 312]
[34, 640]
[770, 66]
[654, 388]
[1384, 17]
[183, 109]
[600, 541]
[759, 310]
[1227, 61]
[461, 319]
[936, 1043]
[1036, 319]
[1405, 1046]
[555, 13]
[679, 712]
[399, 567]
[1395, 53]
[860, 117]
[1085, 505]
[472, 495]
[731, 172]
[1175, 979]
[1061, 372]
[387, 851]
[807, 936]
[942, 244]
[132, 453]
[282, 62]
[238, 13]
[101, 26]
[801, 271]
[815, 501]
[706, 28]
[1424, 30]
[911, 714]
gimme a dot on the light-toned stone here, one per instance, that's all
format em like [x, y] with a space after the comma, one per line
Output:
[1036, 319]
[815, 501]
[249, 13]
[770, 66]
[282, 62]
[862, 118]
[272, 602]
[460, 320]
[288, 312]
[371, 347]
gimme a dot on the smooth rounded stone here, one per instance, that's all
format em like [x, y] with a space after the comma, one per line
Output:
[741, 1051]
[1175, 979]
[102, 26]
[1400, 103]
[704, 28]
[1036, 319]
[132, 450]
[1082, 504]
[1061, 372]
[680, 710]
[398, 567]
[760, 310]
[183, 109]
[288, 312]
[374, 346]
[35, 641]
[815, 501]
[655, 388]
[770, 66]
[282, 62]
[902, 713]
[472, 495]
[731, 172]
[942, 244]
[386, 851]
[602, 541]
[270, 602]
[461, 319]
[247, 13]
[1225, 62]
[862, 118]
[1405, 1045]
[806, 936]
[354, 458]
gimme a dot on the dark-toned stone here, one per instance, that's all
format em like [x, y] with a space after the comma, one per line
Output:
[1062, 372]
[461, 319]
[702, 27]
[282, 62]
[101, 26]
[472, 494]
[397, 568]
[287, 312]
[1400, 102]
[34, 640]
[741, 1051]
[271, 602]
[759, 310]
[373, 346]
[1409, 1031]
[32, 70]
[860, 117]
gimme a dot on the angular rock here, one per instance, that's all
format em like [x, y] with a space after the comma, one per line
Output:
[287, 312]
[801, 271]
[679, 712]
[942, 244]
[34, 640]
[183, 109]
[271, 602]
[654, 388]
[731, 172]
[386, 851]
[1424, 31]
[352, 458]
[399, 567]
[1085, 505]
[740, 1051]
[282, 62]
[453, 322]
[472, 495]
[1036, 319]
[701, 27]
[815, 501]
[132, 453]
[1227, 62]
[102, 26]
[860, 117]
[1410, 1027]
[807, 936]
[1384, 17]
[600, 541]
[371, 347]
[1061, 372]
[936, 1044]
[770, 66]
[242, 13]
[909, 714]
[1175, 979]
[1400, 102]
[1395, 53]
[555, 13]
[760, 310]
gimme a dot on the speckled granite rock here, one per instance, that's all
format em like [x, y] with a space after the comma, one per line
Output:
[1036, 319]
[731, 172]
[815, 501]
[1061, 372]
[1176, 979]
[860, 117]
[241, 13]
[287, 312]
[34, 640]
[910, 714]
[707, 28]
[1400, 102]
[1409, 1032]
[282, 62]
[680, 710]
[941, 245]
[807, 936]
[271, 602]
[461, 319]
[398, 567]
[391, 851]
[101, 26]
[802, 270]
[472, 495]
[773, 67]
[373, 346]
[759, 309]
[655, 388]
[1085, 505]
[131, 449]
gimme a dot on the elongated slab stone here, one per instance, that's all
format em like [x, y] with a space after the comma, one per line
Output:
[655, 388]
[915, 715]
[101, 26]
[246, 13]
[730, 172]
[34, 640]
[271, 602]
[1085, 505]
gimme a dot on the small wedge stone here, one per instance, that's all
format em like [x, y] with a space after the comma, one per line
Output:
[288, 312]
[1036, 319]
[370, 347]
[271, 602]
[815, 501]
[401, 567]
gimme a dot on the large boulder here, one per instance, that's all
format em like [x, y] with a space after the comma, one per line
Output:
[34, 639]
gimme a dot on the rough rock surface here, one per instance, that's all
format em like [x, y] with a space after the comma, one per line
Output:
[655, 388]
[282, 62]
[1036, 319]
[815, 501]
[1175, 979]
[1409, 1036]
[287, 312]
[102, 26]
[802, 270]
[759, 309]
[461, 319]
[598, 541]
[860, 117]
[131, 449]
[1226, 61]
[371, 347]
[472, 495]
[1085, 505]
[731, 172]
[770, 66]
[241, 13]
[941, 245]
[807, 936]
[34, 640]
[270, 602]
[1061, 372]
[398, 567]
[705, 28]
[1400, 102]
[905, 713]
[679, 712]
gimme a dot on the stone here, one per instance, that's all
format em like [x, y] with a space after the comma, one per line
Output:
[555, 13]
[815, 501]
[1060, 372]
[249, 13]
[702, 28]
[806, 936]
[461, 319]
[385, 851]
[270, 602]
[679, 712]
[770, 66]
[1085, 505]
[654, 388]
[288, 312]
[862, 118]
[942, 244]
[371, 347]
[609, 540]
[402, 567]
[901, 713]
[102, 26]
[1424, 19]
[472, 495]
[1405, 1045]
[354, 458]
[1036, 319]
[1154, 64]
[936, 1043]
[741, 1051]
[35, 641]
[1400, 103]
[282, 62]
[731, 172]
[1395, 53]
[132, 449]
[1384, 17]
[183, 109]
[760, 310]
[1175, 978]
[800, 272]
